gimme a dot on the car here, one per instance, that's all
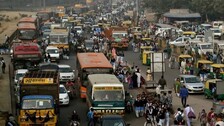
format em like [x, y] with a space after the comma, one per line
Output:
[66, 73]
[217, 33]
[78, 29]
[18, 76]
[89, 45]
[112, 120]
[192, 83]
[54, 53]
[63, 95]
[180, 40]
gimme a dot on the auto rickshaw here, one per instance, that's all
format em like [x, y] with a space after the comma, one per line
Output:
[190, 34]
[217, 71]
[214, 89]
[146, 57]
[184, 57]
[147, 41]
[144, 48]
[203, 64]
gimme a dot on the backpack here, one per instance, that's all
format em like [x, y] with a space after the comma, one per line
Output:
[179, 117]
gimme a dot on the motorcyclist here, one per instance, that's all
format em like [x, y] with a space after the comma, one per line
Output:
[70, 86]
[75, 116]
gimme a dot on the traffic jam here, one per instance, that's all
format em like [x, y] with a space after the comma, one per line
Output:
[78, 53]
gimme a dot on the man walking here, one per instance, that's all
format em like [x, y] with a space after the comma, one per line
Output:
[3, 65]
[162, 82]
[184, 95]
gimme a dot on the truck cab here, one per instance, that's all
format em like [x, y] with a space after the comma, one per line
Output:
[39, 97]
[25, 54]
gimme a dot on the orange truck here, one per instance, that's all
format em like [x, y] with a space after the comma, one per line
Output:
[118, 37]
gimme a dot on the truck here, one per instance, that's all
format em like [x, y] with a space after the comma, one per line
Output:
[39, 98]
[59, 37]
[118, 37]
[25, 54]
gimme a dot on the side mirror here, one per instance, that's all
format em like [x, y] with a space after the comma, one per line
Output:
[73, 70]
[181, 81]
[68, 91]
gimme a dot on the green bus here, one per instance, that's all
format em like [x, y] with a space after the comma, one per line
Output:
[105, 93]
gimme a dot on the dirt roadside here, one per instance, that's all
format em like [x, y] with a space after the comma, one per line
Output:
[8, 20]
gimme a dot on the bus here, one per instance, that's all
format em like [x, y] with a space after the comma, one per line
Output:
[27, 31]
[91, 63]
[35, 20]
[105, 94]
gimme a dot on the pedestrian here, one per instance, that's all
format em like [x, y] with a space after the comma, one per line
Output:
[137, 105]
[161, 116]
[6, 39]
[162, 82]
[219, 121]
[3, 66]
[179, 117]
[183, 95]
[202, 116]
[11, 121]
[177, 86]
[189, 112]
[210, 116]
[90, 116]
[167, 118]
[48, 57]
[129, 80]
[138, 78]
[134, 80]
[148, 75]
[172, 61]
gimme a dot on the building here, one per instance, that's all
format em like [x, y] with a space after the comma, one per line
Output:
[181, 15]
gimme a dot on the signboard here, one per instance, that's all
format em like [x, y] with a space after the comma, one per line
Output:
[108, 88]
[158, 62]
[38, 80]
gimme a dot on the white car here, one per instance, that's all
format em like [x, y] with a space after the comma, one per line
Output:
[19, 74]
[78, 29]
[63, 95]
[192, 83]
[66, 73]
[180, 40]
[53, 52]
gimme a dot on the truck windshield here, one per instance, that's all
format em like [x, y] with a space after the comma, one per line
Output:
[108, 95]
[59, 39]
[27, 34]
[37, 104]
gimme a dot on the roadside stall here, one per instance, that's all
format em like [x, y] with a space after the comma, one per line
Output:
[217, 71]
[214, 89]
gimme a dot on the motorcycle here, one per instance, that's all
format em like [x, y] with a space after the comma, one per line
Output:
[74, 123]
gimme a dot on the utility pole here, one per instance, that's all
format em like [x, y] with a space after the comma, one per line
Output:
[137, 11]
[44, 4]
